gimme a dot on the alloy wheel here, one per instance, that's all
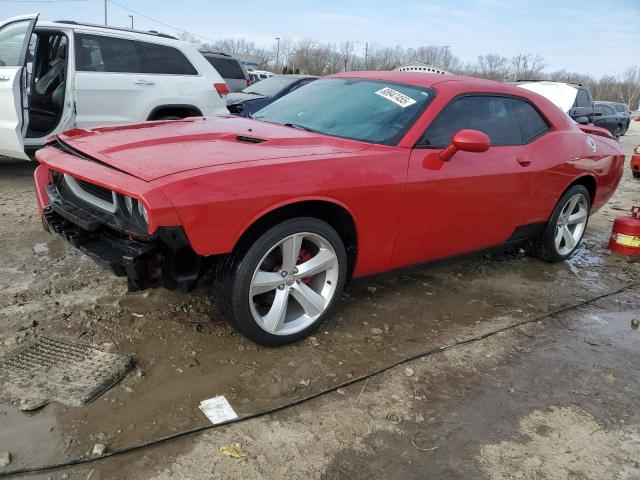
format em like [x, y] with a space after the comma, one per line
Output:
[571, 224]
[293, 283]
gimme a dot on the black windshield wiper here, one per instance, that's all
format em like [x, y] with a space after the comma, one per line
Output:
[300, 127]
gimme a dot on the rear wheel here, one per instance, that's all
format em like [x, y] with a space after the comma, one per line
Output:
[566, 226]
[287, 283]
[636, 173]
[617, 132]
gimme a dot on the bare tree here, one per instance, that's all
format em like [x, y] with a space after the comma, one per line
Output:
[312, 57]
[527, 67]
[629, 87]
[493, 66]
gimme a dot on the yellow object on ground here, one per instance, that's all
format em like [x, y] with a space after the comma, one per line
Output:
[233, 450]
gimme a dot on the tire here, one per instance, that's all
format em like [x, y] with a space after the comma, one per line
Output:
[636, 173]
[547, 247]
[262, 265]
[617, 132]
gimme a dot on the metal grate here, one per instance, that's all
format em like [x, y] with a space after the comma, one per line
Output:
[95, 190]
[53, 370]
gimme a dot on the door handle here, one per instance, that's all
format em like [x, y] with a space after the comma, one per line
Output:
[144, 82]
[5, 77]
[524, 161]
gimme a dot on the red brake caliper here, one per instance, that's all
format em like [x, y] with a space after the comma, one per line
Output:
[303, 257]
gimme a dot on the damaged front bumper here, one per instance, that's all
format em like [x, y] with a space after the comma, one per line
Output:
[164, 259]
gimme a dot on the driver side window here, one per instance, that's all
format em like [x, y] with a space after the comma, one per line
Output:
[492, 115]
[12, 39]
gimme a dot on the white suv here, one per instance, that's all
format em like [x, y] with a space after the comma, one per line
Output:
[55, 76]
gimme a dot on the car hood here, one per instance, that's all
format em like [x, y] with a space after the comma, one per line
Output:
[561, 94]
[240, 97]
[156, 149]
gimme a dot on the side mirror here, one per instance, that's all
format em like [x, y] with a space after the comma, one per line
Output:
[466, 140]
[582, 120]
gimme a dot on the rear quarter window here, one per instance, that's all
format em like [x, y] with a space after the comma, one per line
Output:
[166, 60]
[226, 67]
[532, 124]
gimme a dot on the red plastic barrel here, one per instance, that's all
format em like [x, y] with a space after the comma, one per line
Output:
[625, 236]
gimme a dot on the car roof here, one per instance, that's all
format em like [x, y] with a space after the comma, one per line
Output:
[150, 36]
[609, 102]
[552, 82]
[216, 53]
[431, 80]
[295, 75]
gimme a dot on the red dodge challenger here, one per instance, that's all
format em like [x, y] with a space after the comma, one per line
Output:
[350, 175]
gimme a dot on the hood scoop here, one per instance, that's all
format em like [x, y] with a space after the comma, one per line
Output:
[247, 139]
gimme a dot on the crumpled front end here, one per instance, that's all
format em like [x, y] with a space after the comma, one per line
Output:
[115, 228]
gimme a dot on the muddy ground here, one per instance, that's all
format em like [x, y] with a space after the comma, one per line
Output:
[553, 399]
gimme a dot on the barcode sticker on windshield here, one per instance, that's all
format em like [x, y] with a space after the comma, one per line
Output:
[396, 97]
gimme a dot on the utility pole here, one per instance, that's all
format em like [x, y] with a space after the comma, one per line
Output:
[131, 17]
[105, 13]
[366, 54]
[278, 53]
[445, 60]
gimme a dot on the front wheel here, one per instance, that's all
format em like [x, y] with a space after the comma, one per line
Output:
[566, 226]
[287, 282]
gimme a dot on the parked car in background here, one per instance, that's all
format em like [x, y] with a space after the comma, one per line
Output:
[230, 69]
[605, 116]
[57, 75]
[259, 95]
[258, 75]
[635, 162]
[621, 109]
[574, 99]
[350, 175]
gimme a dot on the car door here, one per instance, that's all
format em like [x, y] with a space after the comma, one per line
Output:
[112, 86]
[474, 200]
[15, 34]
[606, 117]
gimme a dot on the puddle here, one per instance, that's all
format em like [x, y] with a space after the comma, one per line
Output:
[582, 260]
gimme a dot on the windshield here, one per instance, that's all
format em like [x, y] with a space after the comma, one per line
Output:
[270, 86]
[360, 109]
